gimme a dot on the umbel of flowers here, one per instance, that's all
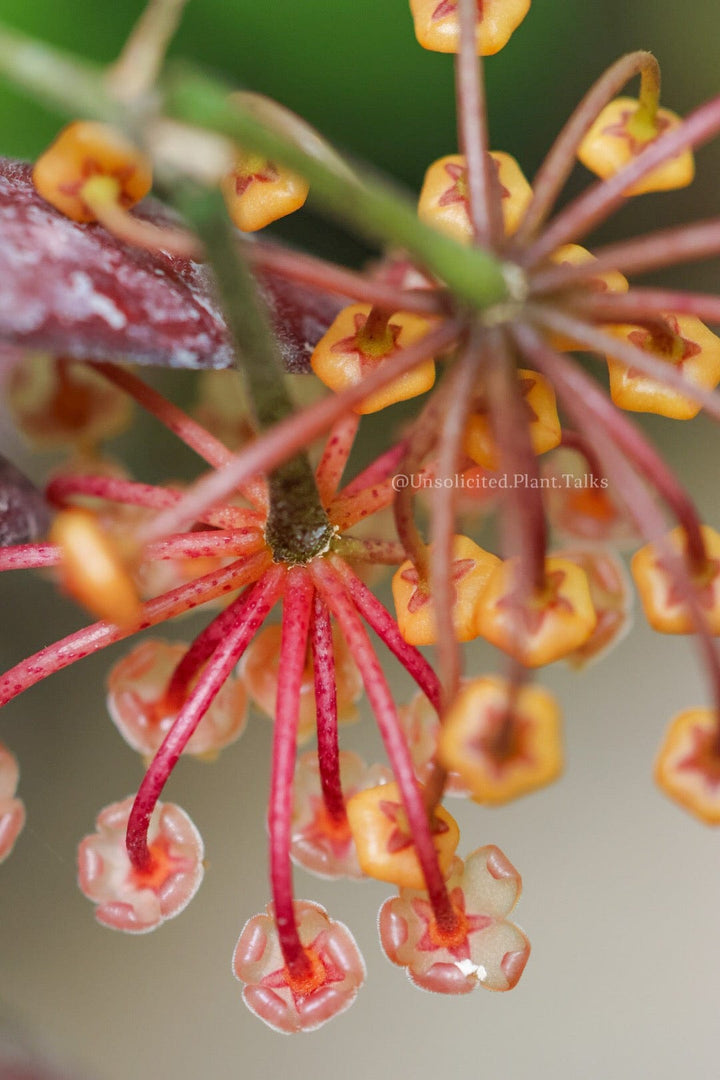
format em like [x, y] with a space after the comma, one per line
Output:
[478, 312]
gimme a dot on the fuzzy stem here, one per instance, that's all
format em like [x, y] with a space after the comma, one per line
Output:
[598, 341]
[346, 512]
[378, 692]
[335, 455]
[596, 204]
[295, 432]
[297, 607]
[99, 635]
[382, 622]
[378, 552]
[250, 611]
[297, 527]
[206, 544]
[653, 251]
[559, 163]
[328, 748]
[319, 274]
[200, 650]
[483, 195]
[30, 556]
[382, 468]
[156, 498]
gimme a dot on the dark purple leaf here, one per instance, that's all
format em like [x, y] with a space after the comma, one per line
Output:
[24, 514]
[76, 290]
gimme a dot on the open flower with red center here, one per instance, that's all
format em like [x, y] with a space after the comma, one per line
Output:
[481, 295]
[553, 619]
[503, 740]
[437, 25]
[302, 998]
[688, 764]
[682, 341]
[444, 198]
[482, 947]
[137, 899]
[145, 862]
[664, 601]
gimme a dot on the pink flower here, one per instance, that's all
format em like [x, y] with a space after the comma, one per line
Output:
[481, 949]
[140, 900]
[305, 1000]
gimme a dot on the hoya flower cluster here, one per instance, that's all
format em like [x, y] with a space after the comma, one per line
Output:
[472, 310]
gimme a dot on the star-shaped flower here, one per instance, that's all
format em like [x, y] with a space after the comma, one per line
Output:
[482, 948]
[289, 1001]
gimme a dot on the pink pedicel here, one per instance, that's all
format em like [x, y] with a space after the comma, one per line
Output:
[336, 971]
[482, 949]
[132, 900]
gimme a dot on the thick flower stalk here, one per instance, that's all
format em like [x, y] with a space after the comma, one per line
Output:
[479, 306]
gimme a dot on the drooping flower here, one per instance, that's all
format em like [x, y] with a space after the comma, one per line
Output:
[494, 308]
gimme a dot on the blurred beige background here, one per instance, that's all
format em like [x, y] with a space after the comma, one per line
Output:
[621, 887]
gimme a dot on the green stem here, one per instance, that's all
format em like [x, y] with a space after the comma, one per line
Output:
[298, 528]
[372, 207]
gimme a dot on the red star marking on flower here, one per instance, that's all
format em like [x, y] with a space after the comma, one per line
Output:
[458, 191]
[91, 167]
[456, 942]
[400, 838]
[671, 345]
[534, 611]
[621, 130]
[449, 7]
[164, 866]
[354, 343]
[503, 740]
[420, 597]
[704, 757]
[706, 585]
[323, 972]
[267, 175]
[325, 831]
